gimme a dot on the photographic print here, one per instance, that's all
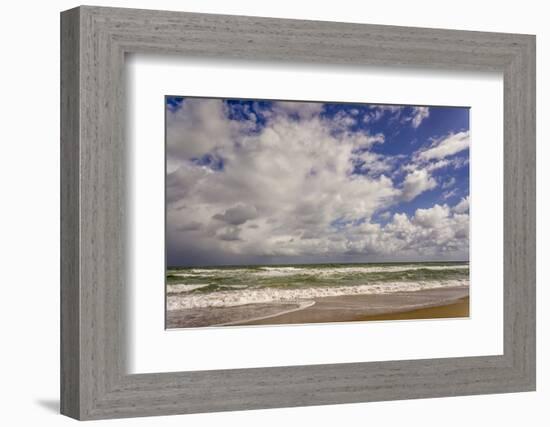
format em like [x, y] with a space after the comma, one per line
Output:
[295, 212]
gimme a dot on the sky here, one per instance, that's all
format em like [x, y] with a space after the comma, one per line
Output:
[279, 182]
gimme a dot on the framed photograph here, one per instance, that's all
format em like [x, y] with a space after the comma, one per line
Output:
[262, 213]
[286, 212]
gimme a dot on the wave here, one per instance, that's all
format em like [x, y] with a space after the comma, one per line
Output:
[313, 271]
[274, 295]
[182, 288]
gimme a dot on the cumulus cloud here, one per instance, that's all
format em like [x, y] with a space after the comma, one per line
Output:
[301, 185]
[431, 232]
[429, 218]
[199, 126]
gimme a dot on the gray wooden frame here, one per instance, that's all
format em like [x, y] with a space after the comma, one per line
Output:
[94, 382]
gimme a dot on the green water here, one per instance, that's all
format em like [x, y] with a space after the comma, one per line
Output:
[238, 279]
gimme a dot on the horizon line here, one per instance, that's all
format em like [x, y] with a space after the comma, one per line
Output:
[313, 263]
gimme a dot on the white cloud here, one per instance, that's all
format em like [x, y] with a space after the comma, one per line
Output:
[449, 183]
[429, 167]
[450, 193]
[198, 127]
[344, 120]
[375, 164]
[292, 179]
[463, 205]
[451, 144]
[288, 190]
[378, 111]
[432, 232]
[419, 114]
[304, 110]
[416, 183]
[437, 165]
[385, 215]
[395, 112]
[429, 218]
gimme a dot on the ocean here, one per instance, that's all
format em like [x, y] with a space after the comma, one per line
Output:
[197, 288]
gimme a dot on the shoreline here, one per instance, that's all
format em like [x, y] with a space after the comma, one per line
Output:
[404, 305]
[301, 306]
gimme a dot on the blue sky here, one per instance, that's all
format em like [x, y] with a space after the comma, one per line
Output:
[251, 181]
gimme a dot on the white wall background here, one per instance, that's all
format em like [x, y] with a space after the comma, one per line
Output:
[29, 214]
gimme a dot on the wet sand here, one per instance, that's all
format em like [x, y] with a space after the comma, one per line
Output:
[426, 304]
[433, 303]
[218, 316]
[461, 308]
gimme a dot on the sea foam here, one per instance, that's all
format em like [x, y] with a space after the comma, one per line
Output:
[186, 300]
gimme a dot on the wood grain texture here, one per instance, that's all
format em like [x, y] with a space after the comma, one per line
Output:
[94, 380]
[70, 292]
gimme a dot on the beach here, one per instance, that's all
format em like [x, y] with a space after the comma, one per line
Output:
[316, 293]
[444, 302]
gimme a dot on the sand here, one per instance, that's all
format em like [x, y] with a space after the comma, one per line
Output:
[461, 308]
[433, 303]
[427, 304]
[221, 316]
